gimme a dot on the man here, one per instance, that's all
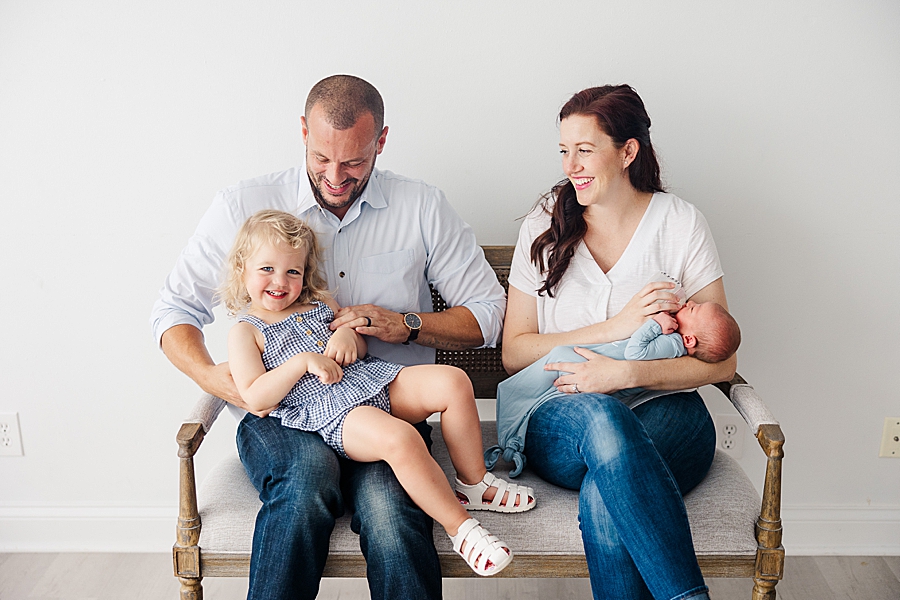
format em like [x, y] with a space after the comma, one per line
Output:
[384, 239]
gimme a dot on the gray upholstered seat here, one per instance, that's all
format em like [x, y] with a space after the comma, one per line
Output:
[723, 510]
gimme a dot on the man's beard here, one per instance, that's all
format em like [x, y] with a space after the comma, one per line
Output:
[356, 191]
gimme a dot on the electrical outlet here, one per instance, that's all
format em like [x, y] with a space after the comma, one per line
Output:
[730, 434]
[10, 435]
[890, 439]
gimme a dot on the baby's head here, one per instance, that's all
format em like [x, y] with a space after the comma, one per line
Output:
[708, 331]
[271, 228]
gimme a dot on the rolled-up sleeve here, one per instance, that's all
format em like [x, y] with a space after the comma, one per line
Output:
[189, 293]
[457, 268]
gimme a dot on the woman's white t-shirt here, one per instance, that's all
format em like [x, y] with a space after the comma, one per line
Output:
[672, 237]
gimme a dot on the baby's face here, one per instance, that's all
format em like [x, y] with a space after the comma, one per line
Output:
[693, 317]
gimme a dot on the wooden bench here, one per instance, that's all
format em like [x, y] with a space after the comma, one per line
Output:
[736, 534]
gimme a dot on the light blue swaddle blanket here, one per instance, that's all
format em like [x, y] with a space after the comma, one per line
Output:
[523, 393]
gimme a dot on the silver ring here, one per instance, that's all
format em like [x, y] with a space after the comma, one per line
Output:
[368, 321]
[575, 388]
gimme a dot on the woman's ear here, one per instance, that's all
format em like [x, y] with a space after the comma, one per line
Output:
[631, 149]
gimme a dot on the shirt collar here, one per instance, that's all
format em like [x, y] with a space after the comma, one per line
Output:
[372, 195]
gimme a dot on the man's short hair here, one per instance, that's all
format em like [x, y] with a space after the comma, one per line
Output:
[345, 98]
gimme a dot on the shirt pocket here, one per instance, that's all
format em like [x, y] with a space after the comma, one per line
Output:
[390, 280]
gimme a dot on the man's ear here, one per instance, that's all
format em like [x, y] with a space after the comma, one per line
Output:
[304, 130]
[689, 341]
[379, 145]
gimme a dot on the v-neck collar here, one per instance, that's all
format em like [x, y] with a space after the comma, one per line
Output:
[636, 247]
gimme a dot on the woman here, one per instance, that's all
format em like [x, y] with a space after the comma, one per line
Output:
[579, 276]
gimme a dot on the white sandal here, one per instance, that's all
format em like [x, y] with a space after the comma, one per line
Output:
[482, 549]
[474, 495]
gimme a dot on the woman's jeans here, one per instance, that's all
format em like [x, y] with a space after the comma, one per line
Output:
[632, 468]
[304, 486]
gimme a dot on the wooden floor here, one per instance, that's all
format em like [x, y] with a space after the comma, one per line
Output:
[149, 577]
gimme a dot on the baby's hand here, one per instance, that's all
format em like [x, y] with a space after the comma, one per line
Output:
[667, 322]
[323, 367]
[342, 346]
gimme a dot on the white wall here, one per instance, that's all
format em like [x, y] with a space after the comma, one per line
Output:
[120, 120]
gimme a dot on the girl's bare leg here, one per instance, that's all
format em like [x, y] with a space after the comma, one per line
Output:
[370, 435]
[422, 390]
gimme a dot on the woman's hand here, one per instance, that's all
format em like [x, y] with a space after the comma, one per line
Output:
[597, 375]
[342, 347]
[655, 297]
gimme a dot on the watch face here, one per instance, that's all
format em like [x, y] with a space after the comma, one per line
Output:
[412, 321]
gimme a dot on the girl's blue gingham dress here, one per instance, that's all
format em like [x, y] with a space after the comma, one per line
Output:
[312, 405]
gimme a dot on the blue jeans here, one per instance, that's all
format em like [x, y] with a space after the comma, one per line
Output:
[304, 486]
[631, 467]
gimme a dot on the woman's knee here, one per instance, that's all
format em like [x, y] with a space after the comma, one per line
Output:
[569, 435]
[610, 429]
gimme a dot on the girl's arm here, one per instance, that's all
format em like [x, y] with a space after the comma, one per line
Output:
[345, 345]
[522, 344]
[604, 375]
[262, 390]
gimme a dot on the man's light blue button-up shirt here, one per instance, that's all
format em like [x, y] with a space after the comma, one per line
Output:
[400, 236]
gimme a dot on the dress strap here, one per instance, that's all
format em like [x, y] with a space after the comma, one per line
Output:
[255, 321]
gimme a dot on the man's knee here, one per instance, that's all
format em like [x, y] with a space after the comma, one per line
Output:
[288, 461]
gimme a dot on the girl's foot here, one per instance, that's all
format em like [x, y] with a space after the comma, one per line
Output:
[495, 494]
[483, 552]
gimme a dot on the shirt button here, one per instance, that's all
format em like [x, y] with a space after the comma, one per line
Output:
[341, 274]
[298, 318]
[309, 332]
[320, 343]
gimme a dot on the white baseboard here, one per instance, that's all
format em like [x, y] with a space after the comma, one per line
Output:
[87, 528]
[844, 530]
[808, 530]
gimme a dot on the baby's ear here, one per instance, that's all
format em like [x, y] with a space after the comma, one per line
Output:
[690, 342]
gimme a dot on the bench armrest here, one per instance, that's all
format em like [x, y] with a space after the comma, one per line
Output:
[206, 411]
[770, 552]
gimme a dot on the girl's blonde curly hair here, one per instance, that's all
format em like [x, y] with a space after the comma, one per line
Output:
[274, 227]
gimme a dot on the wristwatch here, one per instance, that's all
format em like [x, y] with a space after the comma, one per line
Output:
[414, 322]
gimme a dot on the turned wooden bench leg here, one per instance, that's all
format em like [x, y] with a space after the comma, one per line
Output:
[191, 589]
[186, 552]
[770, 552]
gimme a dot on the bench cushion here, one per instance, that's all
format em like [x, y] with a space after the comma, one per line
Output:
[723, 510]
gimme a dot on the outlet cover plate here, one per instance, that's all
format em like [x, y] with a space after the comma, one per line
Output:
[890, 439]
[10, 435]
[730, 434]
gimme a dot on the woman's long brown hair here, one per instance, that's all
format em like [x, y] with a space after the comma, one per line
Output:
[621, 115]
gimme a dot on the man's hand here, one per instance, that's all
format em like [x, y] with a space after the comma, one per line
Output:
[599, 374]
[183, 346]
[369, 319]
[217, 380]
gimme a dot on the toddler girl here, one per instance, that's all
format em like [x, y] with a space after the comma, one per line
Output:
[284, 356]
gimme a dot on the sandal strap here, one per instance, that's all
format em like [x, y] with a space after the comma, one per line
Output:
[475, 493]
[481, 547]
